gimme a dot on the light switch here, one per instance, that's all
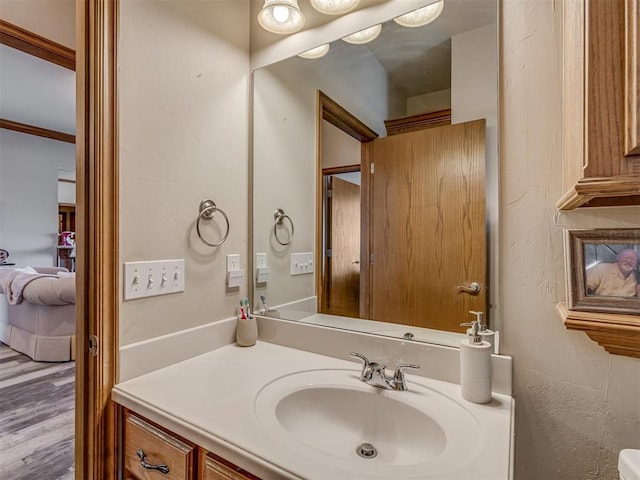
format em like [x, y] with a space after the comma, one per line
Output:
[261, 260]
[157, 277]
[301, 263]
[233, 262]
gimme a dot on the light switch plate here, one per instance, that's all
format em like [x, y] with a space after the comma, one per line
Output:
[233, 262]
[301, 263]
[261, 260]
[156, 277]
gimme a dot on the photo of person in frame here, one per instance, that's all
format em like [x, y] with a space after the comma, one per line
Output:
[616, 276]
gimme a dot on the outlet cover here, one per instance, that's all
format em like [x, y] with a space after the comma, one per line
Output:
[261, 260]
[233, 262]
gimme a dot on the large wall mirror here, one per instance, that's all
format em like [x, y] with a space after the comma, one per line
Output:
[381, 161]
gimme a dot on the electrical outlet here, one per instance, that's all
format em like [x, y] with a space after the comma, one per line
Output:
[233, 262]
[261, 260]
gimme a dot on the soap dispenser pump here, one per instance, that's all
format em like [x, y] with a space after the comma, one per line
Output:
[486, 334]
[475, 365]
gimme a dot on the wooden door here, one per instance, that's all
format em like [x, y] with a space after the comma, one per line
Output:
[343, 291]
[427, 231]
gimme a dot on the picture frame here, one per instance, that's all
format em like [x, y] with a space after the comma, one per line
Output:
[603, 272]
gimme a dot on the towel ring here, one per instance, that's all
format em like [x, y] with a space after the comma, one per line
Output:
[279, 216]
[207, 211]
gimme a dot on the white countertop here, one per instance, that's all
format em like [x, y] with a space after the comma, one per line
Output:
[209, 399]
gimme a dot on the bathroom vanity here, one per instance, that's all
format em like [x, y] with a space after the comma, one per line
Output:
[271, 411]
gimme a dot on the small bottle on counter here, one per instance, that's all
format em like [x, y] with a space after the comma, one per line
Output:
[475, 366]
[486, 334]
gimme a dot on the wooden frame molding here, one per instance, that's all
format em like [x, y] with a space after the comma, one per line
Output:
[40, 132]
[332, 112]
[97, 232]
[632, 80]
[617, 334]
[418, 122]
[28, 42]
[341, 118]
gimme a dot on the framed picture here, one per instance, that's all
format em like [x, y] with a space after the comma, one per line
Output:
[603, 271]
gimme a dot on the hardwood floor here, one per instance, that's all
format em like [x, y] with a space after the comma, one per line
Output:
[36, 418]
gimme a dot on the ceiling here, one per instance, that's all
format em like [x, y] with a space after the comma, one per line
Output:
[42, 94]
[418, 60]
[36, 92]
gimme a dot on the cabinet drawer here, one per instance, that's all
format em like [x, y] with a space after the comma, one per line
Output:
[159, 448]
[214, 468]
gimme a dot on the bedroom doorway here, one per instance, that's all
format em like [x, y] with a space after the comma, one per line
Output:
[96, 227]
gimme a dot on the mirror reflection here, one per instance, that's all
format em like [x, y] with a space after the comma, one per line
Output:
[384, 157]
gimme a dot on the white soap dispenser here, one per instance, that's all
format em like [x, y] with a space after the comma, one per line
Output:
[475, 366]
[486, 334]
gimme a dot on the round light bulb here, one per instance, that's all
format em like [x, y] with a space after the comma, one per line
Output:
[364, 36]
[421, 16]
[281, 14]
[316, 52]
[334, 7]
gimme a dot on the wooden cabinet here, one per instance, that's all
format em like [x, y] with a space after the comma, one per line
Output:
[213, 467]
[165, 455]
[168, 456]
[601, 103]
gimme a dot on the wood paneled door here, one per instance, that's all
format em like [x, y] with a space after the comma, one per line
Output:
[427, 232]
[342, 290]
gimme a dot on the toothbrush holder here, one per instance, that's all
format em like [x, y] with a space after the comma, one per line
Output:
[246, 331]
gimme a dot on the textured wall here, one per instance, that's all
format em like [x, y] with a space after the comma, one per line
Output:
[577, 405]
[183, 80]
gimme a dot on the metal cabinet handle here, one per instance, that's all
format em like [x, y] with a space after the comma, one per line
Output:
[473, 288]
[162, 468]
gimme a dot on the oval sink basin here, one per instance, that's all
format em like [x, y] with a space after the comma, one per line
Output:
[332, 412]
[338, 420]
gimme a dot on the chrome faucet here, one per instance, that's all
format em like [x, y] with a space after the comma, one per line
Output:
[375, 375]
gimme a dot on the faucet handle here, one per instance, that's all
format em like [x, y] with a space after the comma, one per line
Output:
[398, 375]
[364, 359]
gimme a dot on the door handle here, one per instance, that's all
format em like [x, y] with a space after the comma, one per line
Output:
[473, 288]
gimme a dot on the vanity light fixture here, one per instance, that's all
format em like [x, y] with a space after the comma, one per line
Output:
[281, 16]
[334, 7]
[316, 52]
[364, 36]
[422, 16]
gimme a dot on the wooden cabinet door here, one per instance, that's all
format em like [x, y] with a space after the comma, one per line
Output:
[601, 140]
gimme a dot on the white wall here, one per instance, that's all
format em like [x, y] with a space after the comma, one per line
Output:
[29, 195]
[67, 193]
[51, 19]
[474, 95]
[577, 405]
[429, 102]
[285, 152]
[183, 87]
[339, 149]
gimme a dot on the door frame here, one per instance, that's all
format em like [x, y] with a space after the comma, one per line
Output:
[329, 110]
[97, 285]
